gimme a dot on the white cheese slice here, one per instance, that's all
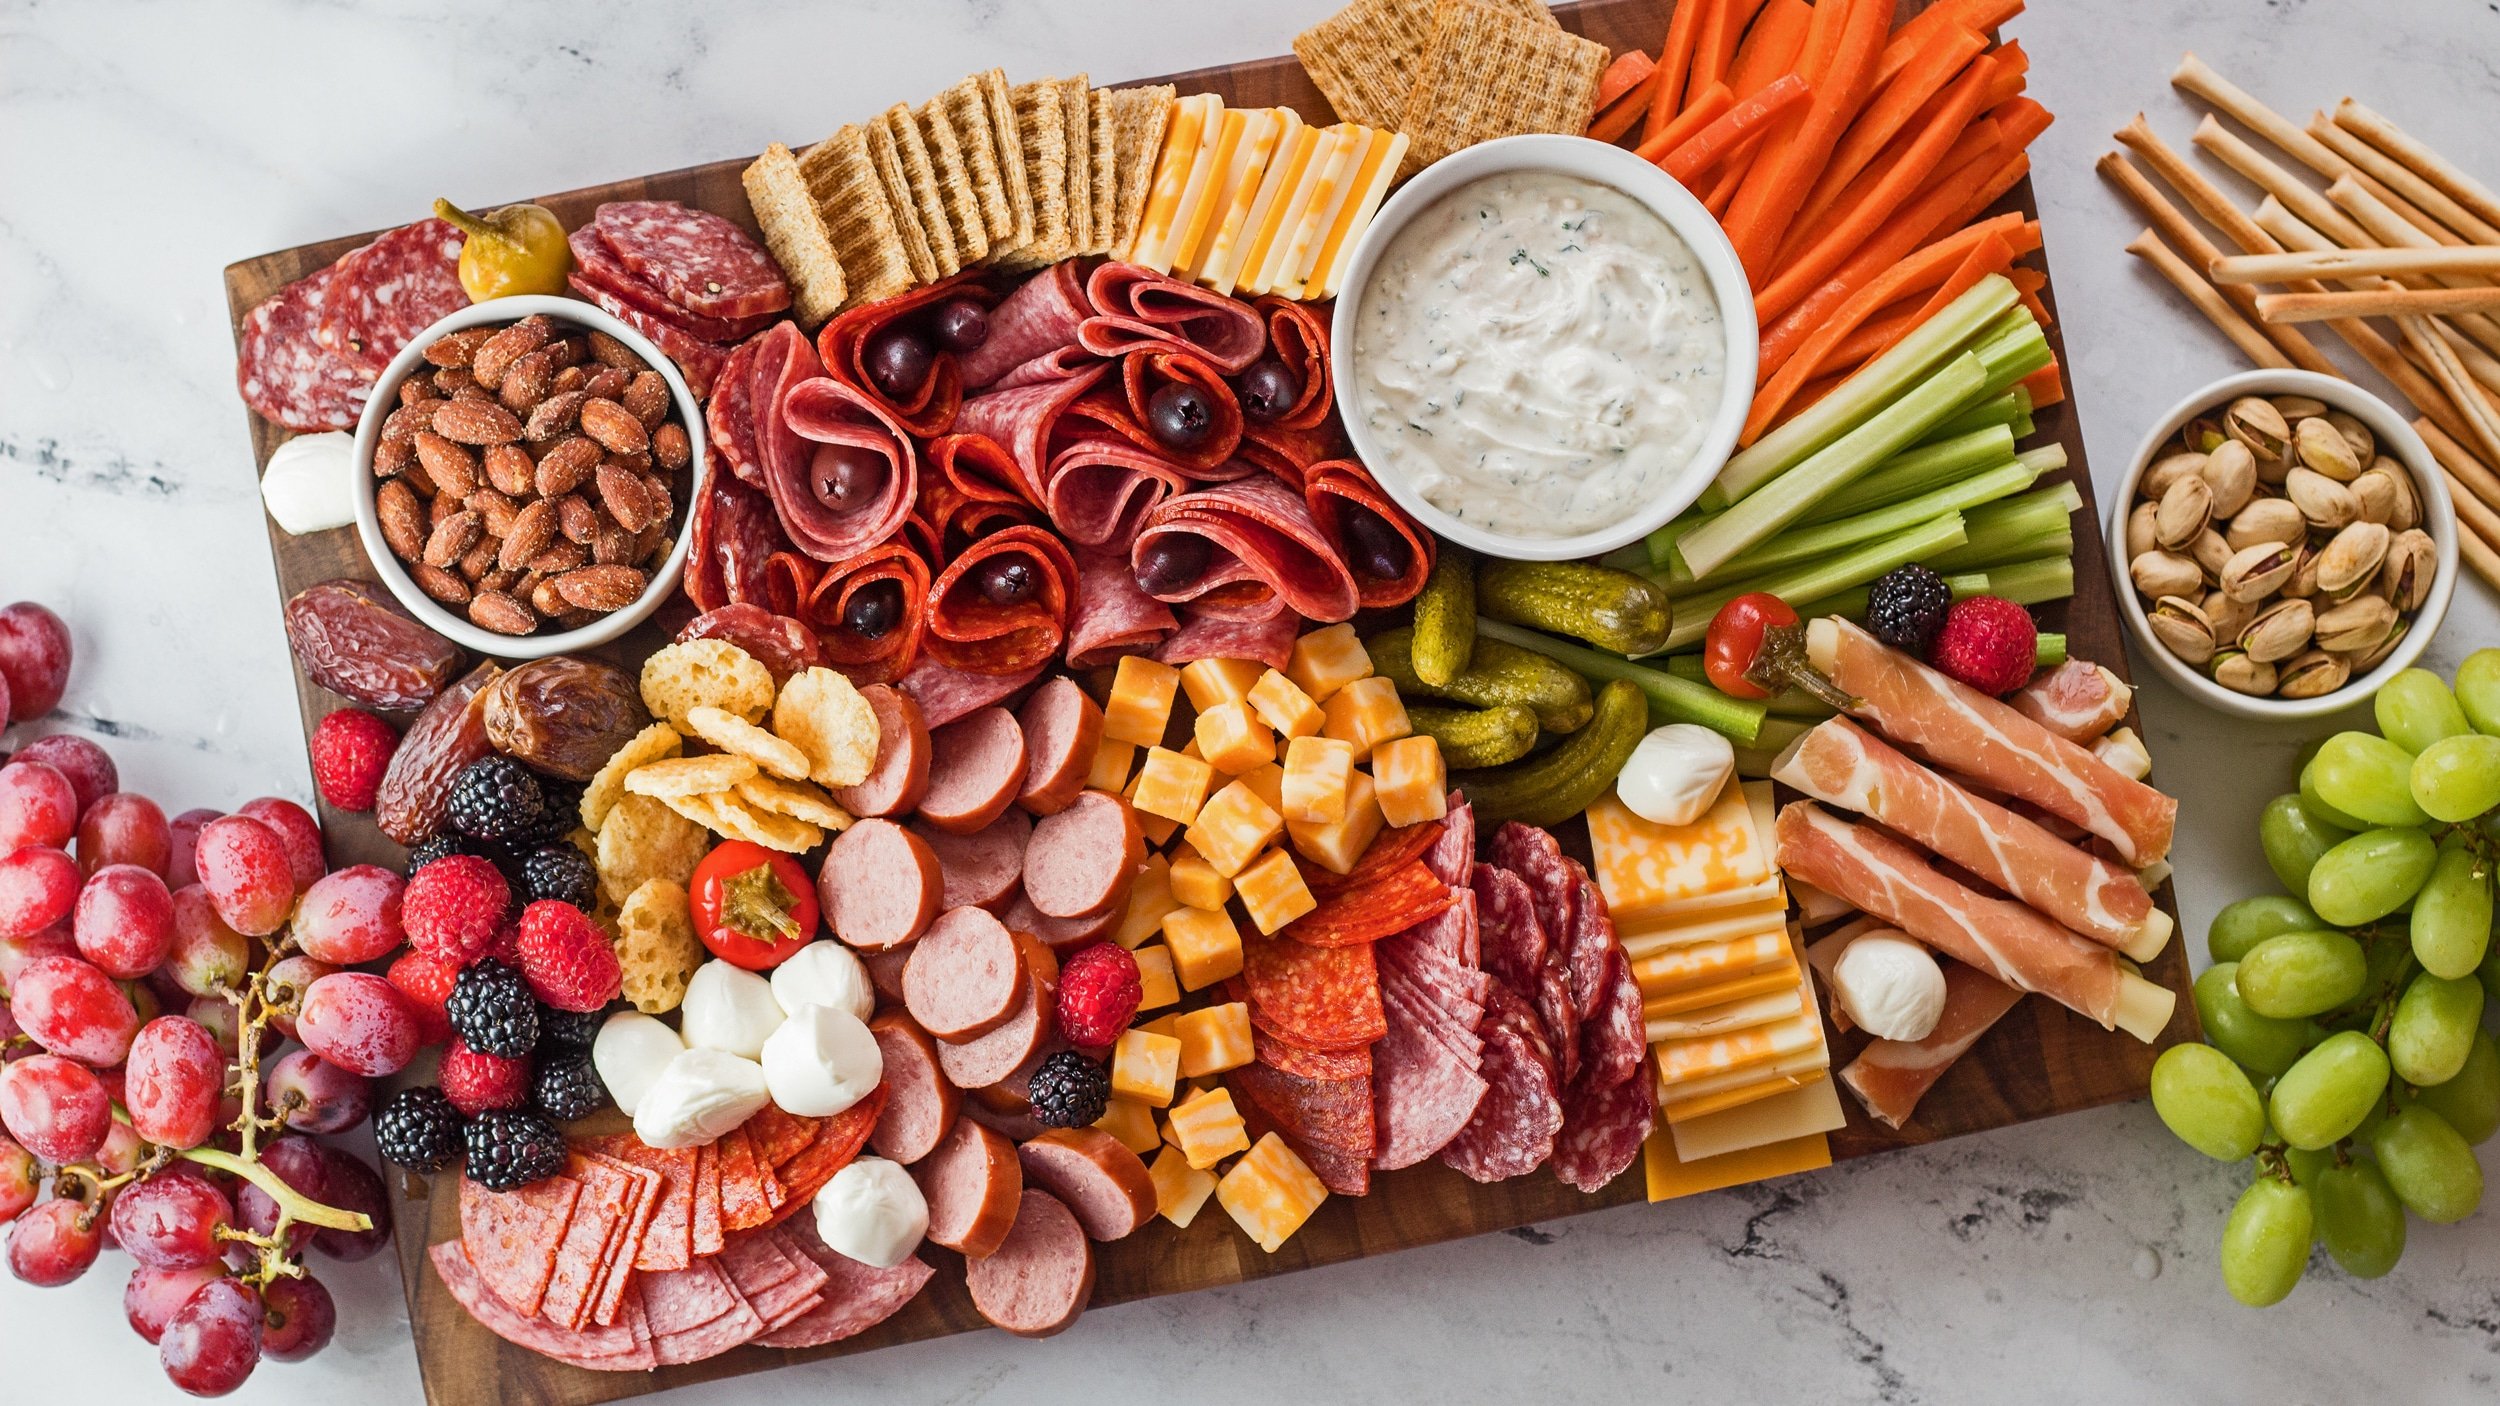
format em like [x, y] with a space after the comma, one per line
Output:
[1796, 1113]
[1272, 208]
[1371, 186]
[1212, 261]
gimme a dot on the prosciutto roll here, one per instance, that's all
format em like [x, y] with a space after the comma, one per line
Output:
[733, 534]
[853, 478]
[822, 595]
[1248, 550]
[729, 417]
[1110, 617]
[1203, 636]
[846, 341]
[1001, 606]
[1298, 337]
[1963, 730]
[2078, 701]
[1348, 506]
[1891, 1076]
[1136, 307]
[1038, 319]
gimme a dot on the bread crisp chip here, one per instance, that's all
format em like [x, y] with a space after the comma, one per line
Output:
[1015, 182]
[656, 945]
[1138, 116]
[657, 742]
[695, 673]
[734, 817]
[1363, 58]
[965, 109]
[1042, 133]
[1487, 73]
[886, 151]
[644, 839]
[921, 187]
[689, 776]
[821, 712]
[958, 190]
[843, 179]
[797, 799]
[796, 233]
[737, 736]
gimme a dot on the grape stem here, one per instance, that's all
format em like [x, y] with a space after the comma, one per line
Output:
[292, 1204]
[2272, 1163]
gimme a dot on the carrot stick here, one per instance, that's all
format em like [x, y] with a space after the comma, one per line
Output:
[1697, 153]
[1627, 112]
[1878, 335]
[2027, 286]
[1768, 202]
[1956, 261]
[1975, 185]
[1952, 51]
[2004, 178]
[1793, 330]
[2022, 120]
[1723, 194]
[1979, 16]
[1706, 45]
[2047, 387]
[1980, 138]
[1740, 15]
[1703, 110]
[1628, 71]
[1675, 60]
[1771, 46]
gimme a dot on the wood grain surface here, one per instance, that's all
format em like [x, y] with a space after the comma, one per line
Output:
[2038, 1062]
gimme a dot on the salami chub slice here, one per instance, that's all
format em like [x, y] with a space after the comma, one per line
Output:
[1134, 307]
[856, 477]
[1001, 606]
[382, 295]
[702, 263]
[286, 374]
[1297, 337]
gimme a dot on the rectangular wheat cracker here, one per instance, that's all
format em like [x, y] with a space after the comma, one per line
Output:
[796, 233]
[1489, 73]
[867, 236]
[1363, 58]
[896, 181]
[1077, 105]
[965, 110]
[947, 199]
[1006, 140]
[1042, 134]
[1138, 118]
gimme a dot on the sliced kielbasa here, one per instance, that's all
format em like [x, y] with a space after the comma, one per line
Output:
[1063, 935]
[900, 776]
[920, 1106]
[1080, 861]
[976, 766]
[983, 868]
[966, 976]
[984, 1060]
[1104, 1183]
[1062, 727]
[1038, 1279]
[973, 1184]
[880, 885]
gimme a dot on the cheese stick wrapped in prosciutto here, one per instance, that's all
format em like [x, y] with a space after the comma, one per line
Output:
[1889, 879]
[2077, 700]
[1841, 763]
[1963, 730]
[1891, 1076]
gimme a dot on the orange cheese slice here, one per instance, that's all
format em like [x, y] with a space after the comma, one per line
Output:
[1669, 1176]
[1371, 185]
[1190, 124]
[1680, 1060]
[1272, 207]
[1680, 969]
[1712, 925]
[1743, 1013]
[1262, 154]
[1206, 175]
[1328, 196]
[1278, 265]
[1228, 201]
[1808, 1111]
[1651, 872]
[1684, 1110]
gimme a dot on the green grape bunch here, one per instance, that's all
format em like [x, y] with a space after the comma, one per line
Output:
[2347, 1060]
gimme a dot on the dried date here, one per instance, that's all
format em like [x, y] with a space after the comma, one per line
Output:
[564, 715]
[351, 638]
[415, 796]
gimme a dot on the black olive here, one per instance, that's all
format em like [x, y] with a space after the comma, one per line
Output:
[847, 475]
[874, 610]
[1165, 564]
[1267, 390]
[898, 361]
[1006, 580]
[1377, 548]
[1179, 417]
[961, 324]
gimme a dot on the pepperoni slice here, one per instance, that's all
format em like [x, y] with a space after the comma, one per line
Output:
[1001, 606]
[1336, 491]
[845, 343]
[1298, 336]
[1324, 997]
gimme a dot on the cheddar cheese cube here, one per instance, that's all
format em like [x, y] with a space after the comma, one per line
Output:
[1209, 682]
[1154, 977]
[1318, 772]
[1206, 947]
[1327, 660]
[1269, 1193]
[1141, 701]
[1268, 784]
[1144, 1066]
[1366, 713]
[1149, 900]
[1133, 1123]
[1272, 891]
[1335, 846]
[1231, 829]
[1154, 828]
[1180, 1189]
[1284, 706]
[1161, 1025]
[1233, 739]
[1214, 1039]
[1112, 759]
[1195, 882]
[1208, 1128]
[1411, 782]
[1172, 786]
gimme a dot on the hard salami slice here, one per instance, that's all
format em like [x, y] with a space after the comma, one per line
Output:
[1147, 374]
[782, 357]
[729, 419]
[855, 480]
[1136, 307]
[780, 643]
[1613, 1037]
[1452, 858]
[1099, 487]
[1331, 1113]
[1513, 941]
[776, 1282]
[1423, 1093]
[845, 342]
[1110, 615]
[1070, 360]
[617, 1349]
[946, 694]
[1204, 636]
[1260, 553]
[513, 1237]
[1346, 504]
[822, 596]
[381, 296]
[1297, 336]
[699, 361]
[855, 1297]
[1001, 606]
[285, 372]
[1512, 1131]
[1448, 1017]
[1040, 317]
[595, 263]
[1023, 419]
[1324, 997]
[1279, 1053]
[974, 469]
[699, 261]
[1557, 1016]
[734, 1325]
[735, 533]
[1604, 1127]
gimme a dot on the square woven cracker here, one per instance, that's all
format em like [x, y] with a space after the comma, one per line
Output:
[1099, 183]
[795, 231]
[1076, 109]
[960, 117]
[842, 179]
[1042, 136]
[1007, 142]
[1363, 58]
[1138, 116]
[900, 197]
[928, 188]
[1487, 73]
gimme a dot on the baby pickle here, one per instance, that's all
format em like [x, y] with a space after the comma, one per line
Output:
[1611, 609]
[1550, 789]
[1445, 618]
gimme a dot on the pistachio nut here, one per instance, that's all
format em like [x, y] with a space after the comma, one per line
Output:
[2320, 446]
[2229, 616]
[2407, 510]
[2359, 624]
[2142, 529]
[2272, 472]
[2258, 425]
[2254, 573]
[2352, 556]
[2312, 675]
[2167, 471]
[2231, 472]
[2182, 628]
[2212, 553]
[2280, 631]
[2376, 491]
[2322, 500]
[2364, 444]
[2364, 663]
[2158, 573]
[2304, 582]
[2201, 434]
[2234, 670]
[2185, 509]
[2405, 576]
[2266, 520]
[2296, 408]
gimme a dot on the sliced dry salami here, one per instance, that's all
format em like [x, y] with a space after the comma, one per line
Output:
[1592, 942]
[856, 1297]
[1205, 636]
[730, 417]
[616, 1349]
[671, 1300]
[1512, 1132]
[284, 371]
[381, 296]
[699, 361]
[1614, 1036]
[1110, 617]
[1422, 1092]
[1256, 554]
[1036, 320]
[1603, 1129]
[1452, 858]
[946, 694]
[702, 262]
[1536, 858]
[595, 263]
[1137, 307]
[1512, 939]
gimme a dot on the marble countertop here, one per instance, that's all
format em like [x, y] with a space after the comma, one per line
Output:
[143, 146]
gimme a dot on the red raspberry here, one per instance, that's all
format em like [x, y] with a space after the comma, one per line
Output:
[1987, 642]
[569, 962]
[426, 981]
[350, 751]
[475, 1081]
[453, 907]
[1098, 994]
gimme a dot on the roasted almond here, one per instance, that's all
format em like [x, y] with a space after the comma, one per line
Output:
[481, 558]
[672, 447]
[498, 511]
[391, 458]
[403, 519]
[608, 351]
[608, 382]
[614, 426]
[457, 348]
[546, 599]
[439, 507]
[401, 425]
[476, 422]
[611, 545]
[416, 390]
[601, 588]
[576, 519]
[452, 468]
[496, 354]
[510, 469]
[440, 584]
[493, 610]
[647, 398]
[453, 537]
[452, 380]
[502, 578]
[571, 378]
[567, 466]
[533, 527]
[526, 381]
[553, 418]
[624, 496]
[560, 556]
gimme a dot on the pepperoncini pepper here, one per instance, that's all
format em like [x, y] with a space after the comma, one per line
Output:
[517, 249]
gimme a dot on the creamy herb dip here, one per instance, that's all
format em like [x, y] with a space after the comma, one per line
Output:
[1541, 354]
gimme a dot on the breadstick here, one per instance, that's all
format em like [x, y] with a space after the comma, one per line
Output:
[2198, 250]
[2279, 183]
[2475, 545]
[2451, 376]
[2376, 302]
[2387, 137]
[2423, 204]
[2357, 263]
[2148, 247]
[2472, 480]
[2388, 226]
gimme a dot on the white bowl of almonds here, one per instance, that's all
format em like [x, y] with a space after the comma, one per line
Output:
[2282, 544]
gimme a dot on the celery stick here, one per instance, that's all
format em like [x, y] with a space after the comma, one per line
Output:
[1777, 733]
[1671, 699]
[2011, 357]
[2049, 652]
[1887, 378]
[1799, 543]
[1852, 603]
[1916, 471]
[2006, 409]
[1845, 459]
[2032, 582]
[1995, 527]
[2022, 426]
[2048, 458]
[1787, 703]
[2004, 551]
[1815, 580]
[1632, 558]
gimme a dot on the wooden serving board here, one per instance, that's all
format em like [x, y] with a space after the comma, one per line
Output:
[2037, 1062]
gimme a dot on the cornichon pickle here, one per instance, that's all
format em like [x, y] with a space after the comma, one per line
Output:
[1550, 789]
[1445, 617]
[1497, 674]
[1610, 609]
[1476, 736]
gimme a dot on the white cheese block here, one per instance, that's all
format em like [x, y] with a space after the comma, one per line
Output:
[1814, 1108]
[700, 1096]
[872, 1211]
[629, 1052]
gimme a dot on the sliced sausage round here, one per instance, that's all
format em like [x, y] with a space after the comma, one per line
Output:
[880, 885]
[1063, 935]
[983, 868]
[1038, 1279]
[920, 1106]
[1081, 860]
[984, 1060]
[900, 776]
[966, 975]
[973, 1183]
[1062, 727]
[976, 766]
[885, 973]
[1103, 1182]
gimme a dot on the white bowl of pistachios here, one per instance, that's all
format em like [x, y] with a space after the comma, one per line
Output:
[2282, 544]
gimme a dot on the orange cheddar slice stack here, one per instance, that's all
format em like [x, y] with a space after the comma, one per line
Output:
[1249, 201]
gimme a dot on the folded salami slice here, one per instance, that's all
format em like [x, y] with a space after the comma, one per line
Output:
[381, 296]
[1423, 1092]
[781, 643]
[855, 477]
[1110, 617]
[284, 371]
[596, 264]
[857, 1297]
[697, 260]
[1261, 554]
[1258, 453]
[847, 341]
[821, 596]
[1001, 606]
[969, 488]
[1070, 360]
[1143, 375]
[734, 533]
[1039, 318]
[1022, 420]
[1369, 532]
[616, 1349]
[1297, 336]
[1512, 1130]
[729, 420]
[946, 694]
[698, 360]
[1204, 636]
[1100, 489]
[1135, 307]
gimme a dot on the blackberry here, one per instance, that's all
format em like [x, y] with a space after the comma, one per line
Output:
[1069, 1091]
[561, 802]
[491, 1007]
[1905, 608]
[497, 798]
[441, 845]
[417, 1128]
[509, 1148]
[567, 1030]
[567, 1088]
[563, 873]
